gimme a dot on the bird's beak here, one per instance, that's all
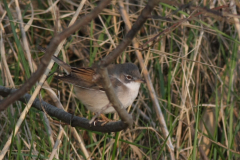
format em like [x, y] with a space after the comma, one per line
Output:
[141, 80]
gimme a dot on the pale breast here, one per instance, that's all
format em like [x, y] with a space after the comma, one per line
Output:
[94, 100]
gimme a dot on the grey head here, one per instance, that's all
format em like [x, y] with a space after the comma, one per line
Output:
[126, 73]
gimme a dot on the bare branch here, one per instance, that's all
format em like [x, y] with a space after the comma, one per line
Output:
[66, 117]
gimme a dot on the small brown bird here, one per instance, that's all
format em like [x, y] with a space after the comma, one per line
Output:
[125, 78]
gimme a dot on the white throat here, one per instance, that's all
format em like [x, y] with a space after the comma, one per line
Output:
[133, 86]
[128, 98]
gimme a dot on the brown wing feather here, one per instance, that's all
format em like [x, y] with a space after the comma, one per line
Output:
[81, 77]
[85, 74]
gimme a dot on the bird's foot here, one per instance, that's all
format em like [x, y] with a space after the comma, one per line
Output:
[100, 113]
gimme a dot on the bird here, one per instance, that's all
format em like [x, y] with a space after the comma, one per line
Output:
[125, 79]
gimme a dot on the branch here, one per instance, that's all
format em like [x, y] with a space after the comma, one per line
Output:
[127, 118]
[107, 85]
[49, 52]
[66, 117]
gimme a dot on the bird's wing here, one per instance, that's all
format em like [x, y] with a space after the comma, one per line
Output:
[81, 77]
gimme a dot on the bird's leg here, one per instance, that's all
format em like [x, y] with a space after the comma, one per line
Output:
[99, 113]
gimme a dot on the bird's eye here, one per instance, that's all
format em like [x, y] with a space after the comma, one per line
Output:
[129, 77]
